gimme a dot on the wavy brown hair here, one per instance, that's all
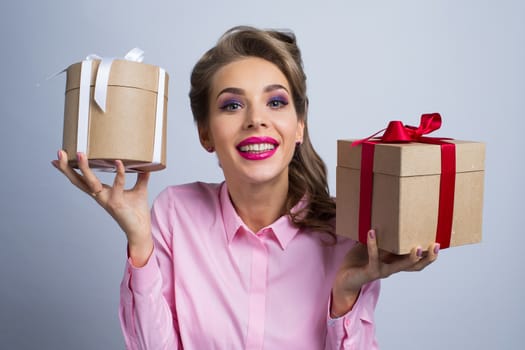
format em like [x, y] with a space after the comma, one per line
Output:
[307, 171]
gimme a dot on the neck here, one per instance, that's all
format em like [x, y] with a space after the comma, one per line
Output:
[258, 205]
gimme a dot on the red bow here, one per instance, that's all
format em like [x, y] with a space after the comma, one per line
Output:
[397, 132]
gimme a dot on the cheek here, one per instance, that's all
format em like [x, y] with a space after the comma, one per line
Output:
[291, 130]
[222, 136]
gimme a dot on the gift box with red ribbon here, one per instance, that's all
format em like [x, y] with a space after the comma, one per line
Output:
[413, 189]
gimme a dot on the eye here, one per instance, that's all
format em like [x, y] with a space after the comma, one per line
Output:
[277, 102]
[231, 106]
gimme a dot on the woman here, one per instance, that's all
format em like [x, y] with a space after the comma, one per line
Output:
[252, 263]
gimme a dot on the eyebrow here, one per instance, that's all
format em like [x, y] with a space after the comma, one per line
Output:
[232, 90]
[238, 91]
[274, 87]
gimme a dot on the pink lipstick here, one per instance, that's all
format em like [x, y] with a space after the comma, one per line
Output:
[257, 147]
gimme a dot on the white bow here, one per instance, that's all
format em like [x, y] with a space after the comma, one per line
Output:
[101, 82]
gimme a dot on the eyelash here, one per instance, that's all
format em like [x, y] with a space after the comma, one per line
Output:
[282, 102]
[274, 103]
[231, 105]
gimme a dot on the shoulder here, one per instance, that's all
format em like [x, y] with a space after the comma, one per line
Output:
[190, 195]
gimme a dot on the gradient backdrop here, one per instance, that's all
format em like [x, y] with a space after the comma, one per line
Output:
[62, 257]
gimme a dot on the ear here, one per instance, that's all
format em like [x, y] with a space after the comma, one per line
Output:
[300, 131]
[205, 138]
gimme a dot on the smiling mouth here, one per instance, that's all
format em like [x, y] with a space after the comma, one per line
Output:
[257, 147]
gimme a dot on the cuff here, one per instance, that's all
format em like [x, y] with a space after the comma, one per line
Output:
[362, 310]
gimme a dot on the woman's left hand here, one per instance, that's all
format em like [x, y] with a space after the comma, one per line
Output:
[364, 264]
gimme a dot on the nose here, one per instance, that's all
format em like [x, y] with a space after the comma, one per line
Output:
[255, 118]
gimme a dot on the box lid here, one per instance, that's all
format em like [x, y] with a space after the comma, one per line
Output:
[123, 73]
[412, 159]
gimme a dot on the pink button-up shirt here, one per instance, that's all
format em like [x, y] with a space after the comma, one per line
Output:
[211, 283]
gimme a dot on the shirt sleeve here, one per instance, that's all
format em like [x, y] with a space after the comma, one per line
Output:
[355, 330]
[147, 305]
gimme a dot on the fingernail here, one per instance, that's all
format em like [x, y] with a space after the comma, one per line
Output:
[59, 155]
[436, 248]
[79, 155]
[372, 234]
[419, 252]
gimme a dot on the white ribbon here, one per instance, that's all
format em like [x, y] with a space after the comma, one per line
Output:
[100, 95]
[83, 106]
[159, 122]
[101, 82]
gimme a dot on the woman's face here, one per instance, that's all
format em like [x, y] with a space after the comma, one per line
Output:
[252, 124]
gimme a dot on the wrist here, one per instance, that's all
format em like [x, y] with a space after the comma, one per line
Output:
[343, 302]
[140, 252]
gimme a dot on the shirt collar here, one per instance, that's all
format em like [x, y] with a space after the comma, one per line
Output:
[283, 228]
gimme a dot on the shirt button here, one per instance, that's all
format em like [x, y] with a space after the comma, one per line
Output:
[347, 323]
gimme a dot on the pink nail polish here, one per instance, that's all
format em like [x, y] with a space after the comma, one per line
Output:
[79, 156]
[436, 248]
[372, 234]
[419, 252]
[59, 155]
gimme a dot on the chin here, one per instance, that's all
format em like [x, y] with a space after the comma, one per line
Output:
[261, 177]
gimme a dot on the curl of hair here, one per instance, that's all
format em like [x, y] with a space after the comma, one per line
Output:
[307, 171]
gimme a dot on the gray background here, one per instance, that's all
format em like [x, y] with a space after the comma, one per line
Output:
[62, 257]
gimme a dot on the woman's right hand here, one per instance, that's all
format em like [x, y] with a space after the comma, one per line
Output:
[128, 207]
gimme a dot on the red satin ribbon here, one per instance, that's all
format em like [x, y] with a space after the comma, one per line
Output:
[397, 132]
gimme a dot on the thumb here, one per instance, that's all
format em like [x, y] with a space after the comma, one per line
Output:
[142, 182]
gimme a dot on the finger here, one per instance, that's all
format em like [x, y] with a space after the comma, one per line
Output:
[120, 177]
[62, 165]
[92, 182]
[406, 263]
[62, 162]
[434, 251]
[373, 253]
[430, 257]
[142, 182]
[371, 244]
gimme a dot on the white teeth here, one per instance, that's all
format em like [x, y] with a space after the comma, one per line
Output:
[257, 147]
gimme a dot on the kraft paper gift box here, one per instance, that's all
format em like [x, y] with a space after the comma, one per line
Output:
[405, 194]
[131, 123]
